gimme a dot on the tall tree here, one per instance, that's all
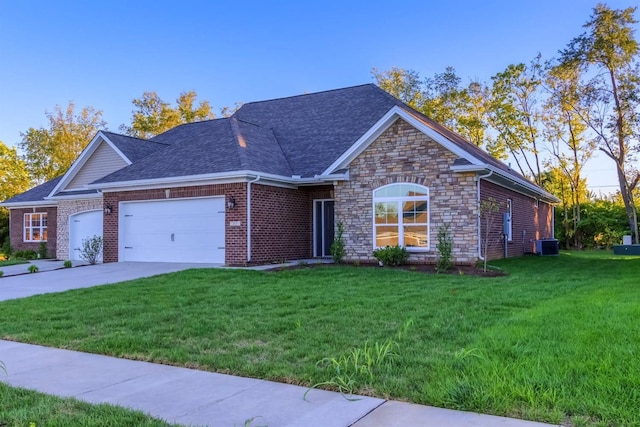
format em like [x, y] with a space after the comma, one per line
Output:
[514, 113]
[403, 84]
[568, 142]
[14, 179]
[153, 116]
[608, 53]
[49, 152]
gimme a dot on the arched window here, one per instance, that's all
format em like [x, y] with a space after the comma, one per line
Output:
[401, 216]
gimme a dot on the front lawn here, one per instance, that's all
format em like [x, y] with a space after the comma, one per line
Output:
[558, 340]
[6, 263]
[22, 407]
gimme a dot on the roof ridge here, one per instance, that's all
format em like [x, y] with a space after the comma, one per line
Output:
[186, 124]
[305, 94]
[133, 137]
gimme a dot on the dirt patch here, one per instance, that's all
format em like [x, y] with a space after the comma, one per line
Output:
[456, 270]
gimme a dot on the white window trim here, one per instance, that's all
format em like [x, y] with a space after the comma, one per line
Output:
[31, 228]
[399, 200]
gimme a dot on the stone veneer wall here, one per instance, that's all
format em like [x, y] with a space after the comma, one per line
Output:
[66, 208]
[17, 229]
[404, 154]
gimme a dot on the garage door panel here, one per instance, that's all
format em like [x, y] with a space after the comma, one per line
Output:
[83, 226]
[179, 230]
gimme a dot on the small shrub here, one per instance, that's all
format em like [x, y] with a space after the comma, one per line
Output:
[7, 250]
[392, 255]
[1, 273]
[91, 249]
[42, 250]
[445, 248]
[27, 255]
[68, 264]
[337, 247]
[33, 268]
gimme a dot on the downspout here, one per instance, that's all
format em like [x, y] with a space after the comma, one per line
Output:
[479, 178]
[249, 217]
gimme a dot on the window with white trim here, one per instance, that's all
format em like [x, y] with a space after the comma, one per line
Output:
[35, 227]
[401, 216]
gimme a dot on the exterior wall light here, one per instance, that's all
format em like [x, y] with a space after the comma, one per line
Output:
[231, 203]
[108, 209]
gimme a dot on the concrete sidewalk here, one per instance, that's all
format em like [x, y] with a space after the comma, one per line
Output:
[191, 397]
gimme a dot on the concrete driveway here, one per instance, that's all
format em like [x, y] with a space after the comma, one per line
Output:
[26, 285]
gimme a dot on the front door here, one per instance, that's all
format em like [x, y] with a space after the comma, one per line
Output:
[323, 227]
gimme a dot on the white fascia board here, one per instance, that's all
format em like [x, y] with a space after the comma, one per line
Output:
[382, 125]
[83, 158]
[212, 178]
[77, 196]
[532, 188]
[17, 205]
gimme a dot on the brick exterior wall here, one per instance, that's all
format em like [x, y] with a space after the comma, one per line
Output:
[282, 222]
[404, 154]
[529, 223]
[281, 219]
[235, 237]
[66, 208]
[17, 229]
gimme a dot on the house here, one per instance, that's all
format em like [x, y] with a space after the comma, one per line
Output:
[271, 182]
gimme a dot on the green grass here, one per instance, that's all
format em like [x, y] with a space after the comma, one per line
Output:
[558, 340]
[7, 263]
[25, 408]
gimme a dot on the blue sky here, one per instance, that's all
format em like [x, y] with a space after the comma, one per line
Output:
[104, 54]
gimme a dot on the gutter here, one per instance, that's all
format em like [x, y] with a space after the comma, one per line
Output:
[479, 178]
[257, 178]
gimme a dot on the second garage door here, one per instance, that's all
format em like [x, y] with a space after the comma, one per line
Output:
[184, 230]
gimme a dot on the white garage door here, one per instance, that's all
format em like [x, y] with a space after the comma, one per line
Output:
[83, 226]
[182, 230]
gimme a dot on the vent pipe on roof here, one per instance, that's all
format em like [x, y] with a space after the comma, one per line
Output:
[249, 217]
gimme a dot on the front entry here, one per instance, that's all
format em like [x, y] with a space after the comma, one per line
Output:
[323, 227]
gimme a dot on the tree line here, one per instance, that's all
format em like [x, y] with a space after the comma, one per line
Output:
[47, 152]
[550, 116]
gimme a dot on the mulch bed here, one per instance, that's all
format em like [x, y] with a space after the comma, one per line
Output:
[462, 270]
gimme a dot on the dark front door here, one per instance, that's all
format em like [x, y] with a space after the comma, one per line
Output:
[323, 227]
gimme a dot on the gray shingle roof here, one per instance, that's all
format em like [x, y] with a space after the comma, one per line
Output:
[36, 194]
[134, 148]
[299, 135]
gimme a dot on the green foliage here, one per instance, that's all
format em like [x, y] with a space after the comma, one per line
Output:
[602, 225]
[392, 255]
[26, 254]
[68, 264]
[33, 268]
[7, 250]
[1, 273]
[49, 152]
[154, 116]
[42, 250]
[337, 249]
[91, 249]
[445, 248]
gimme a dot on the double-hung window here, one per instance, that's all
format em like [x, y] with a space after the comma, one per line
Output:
[35, 227]
[401, 216]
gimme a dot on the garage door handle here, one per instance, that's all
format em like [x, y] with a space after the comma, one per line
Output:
[173, 237]
[220, 247]
[128, 247]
